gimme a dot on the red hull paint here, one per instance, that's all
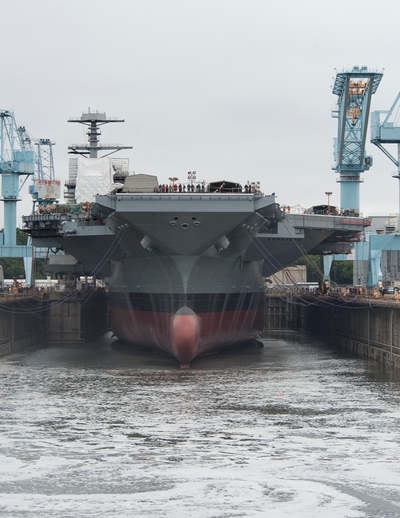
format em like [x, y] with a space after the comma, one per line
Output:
[185, 337]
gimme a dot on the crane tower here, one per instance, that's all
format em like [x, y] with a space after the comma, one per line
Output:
[354, 89]
[16, 159]
[46, 189]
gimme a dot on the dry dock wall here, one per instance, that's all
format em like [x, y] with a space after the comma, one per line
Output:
[74, 318]
[280, 312]
[370, 327]
[19, 325]
[51, 317]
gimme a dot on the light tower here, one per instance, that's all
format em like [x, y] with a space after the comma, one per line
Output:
[354, 89]
[191, 177]
[329, 194]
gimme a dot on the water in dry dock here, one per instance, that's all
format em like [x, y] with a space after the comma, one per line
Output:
[291, 429]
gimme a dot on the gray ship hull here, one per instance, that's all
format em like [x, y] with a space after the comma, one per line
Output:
[186, 305]
[182, 286]
[185, 272]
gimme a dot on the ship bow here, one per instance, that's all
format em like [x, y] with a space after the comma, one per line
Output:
[185, 332]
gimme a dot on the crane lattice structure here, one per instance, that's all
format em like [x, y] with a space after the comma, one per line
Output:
[388, 132]
[16, 159]
[46, 189]
[44, 159]
[354, 89]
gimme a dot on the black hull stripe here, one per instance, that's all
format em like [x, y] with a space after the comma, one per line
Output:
[199, 303]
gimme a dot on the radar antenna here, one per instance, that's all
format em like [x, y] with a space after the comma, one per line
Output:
[93, 121]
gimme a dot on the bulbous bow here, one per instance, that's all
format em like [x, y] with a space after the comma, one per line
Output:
[185, 334]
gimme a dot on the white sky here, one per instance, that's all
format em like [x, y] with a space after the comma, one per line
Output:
[232, 89]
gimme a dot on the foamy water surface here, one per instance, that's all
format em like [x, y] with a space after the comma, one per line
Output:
[291, 429]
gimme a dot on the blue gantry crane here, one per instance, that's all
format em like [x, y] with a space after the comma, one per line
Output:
[354, 89]
[384, 132]
[388, 132]
[17, 162]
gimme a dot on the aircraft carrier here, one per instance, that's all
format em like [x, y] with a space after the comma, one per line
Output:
[186, 270]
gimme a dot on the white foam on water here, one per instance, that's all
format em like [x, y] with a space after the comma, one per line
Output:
[311, 440]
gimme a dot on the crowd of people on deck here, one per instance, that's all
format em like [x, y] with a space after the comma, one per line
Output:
[190, 187]
[182, 188]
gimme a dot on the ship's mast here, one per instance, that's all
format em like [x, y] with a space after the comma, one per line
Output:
[93, 121]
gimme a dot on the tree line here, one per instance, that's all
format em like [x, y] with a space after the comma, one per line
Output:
[14, 266]
[341, 271]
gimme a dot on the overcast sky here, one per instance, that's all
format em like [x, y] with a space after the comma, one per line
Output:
[232, 89]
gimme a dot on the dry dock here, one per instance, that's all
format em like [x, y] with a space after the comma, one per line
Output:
[369, 327]
[366, 326]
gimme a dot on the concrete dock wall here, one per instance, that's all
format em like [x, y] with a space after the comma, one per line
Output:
[55, 317]
[370, 327]
[366, 328]
[76, 318]
[280, 312]
[19, 325]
